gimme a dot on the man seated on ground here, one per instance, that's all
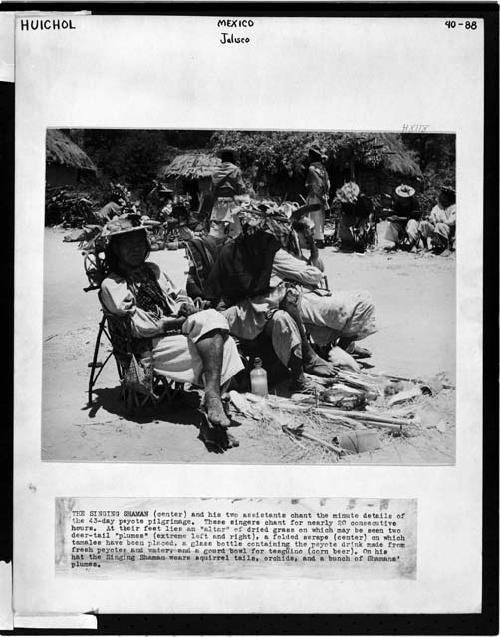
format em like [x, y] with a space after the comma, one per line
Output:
[197, 349]
[110, 210]
[355, 215]
[240, 285]
[403, 220]
[335, 320]
[253, 274]
[438, 228]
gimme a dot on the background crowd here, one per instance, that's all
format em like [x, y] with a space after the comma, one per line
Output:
[352, 180]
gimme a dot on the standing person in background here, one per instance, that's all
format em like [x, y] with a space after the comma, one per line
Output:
[438, 228]
[318, 190]
[404, 219]
[227, 186]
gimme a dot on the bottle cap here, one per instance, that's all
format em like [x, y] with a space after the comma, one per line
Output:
[257, 361]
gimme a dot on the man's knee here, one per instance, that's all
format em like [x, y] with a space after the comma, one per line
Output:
[205, 323]
[282, 321]
[442, 229]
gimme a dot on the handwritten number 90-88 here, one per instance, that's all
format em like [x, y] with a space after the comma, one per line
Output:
[451, 24]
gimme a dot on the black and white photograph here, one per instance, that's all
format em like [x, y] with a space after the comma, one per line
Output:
[249, 314]
[249, 296]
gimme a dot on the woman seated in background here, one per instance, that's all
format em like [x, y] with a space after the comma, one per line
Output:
[356, 213]
[186, 345]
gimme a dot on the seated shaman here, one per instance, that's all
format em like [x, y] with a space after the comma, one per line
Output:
[200, 351]
[253, 275]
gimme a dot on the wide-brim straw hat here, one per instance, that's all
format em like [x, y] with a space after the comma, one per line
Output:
[405, 191]
[124, 224]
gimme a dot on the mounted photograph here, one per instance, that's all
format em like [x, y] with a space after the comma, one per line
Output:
[249, 297]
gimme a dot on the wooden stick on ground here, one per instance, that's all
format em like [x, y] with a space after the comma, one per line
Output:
[383, 425]
[367, 415]
[299, 433]
[328, 445]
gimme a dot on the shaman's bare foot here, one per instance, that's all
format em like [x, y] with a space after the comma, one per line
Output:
[215, 410]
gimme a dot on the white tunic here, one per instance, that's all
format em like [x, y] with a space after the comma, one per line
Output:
[175, 357]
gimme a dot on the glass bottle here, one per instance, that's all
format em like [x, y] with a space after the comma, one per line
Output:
[258, 379]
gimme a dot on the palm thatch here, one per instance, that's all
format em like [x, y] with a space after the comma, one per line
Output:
[399, 159]
[190, 165]
[62, 151]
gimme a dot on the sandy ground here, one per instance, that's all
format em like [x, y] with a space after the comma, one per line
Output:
[415, 303]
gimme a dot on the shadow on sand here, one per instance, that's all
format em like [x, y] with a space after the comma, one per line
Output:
[183, 410]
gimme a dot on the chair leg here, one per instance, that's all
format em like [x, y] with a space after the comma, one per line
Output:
[94, 360]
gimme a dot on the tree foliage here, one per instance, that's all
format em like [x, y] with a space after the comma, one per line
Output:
[437, 158]
[273, 152]
[273, 161]
[133, 157]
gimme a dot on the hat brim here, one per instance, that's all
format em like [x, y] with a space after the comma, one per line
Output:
[127, 231]
[405, 194]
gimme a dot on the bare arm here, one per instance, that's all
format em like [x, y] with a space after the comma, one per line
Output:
[289, 268]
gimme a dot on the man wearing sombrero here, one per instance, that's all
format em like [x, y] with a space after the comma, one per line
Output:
[318, 190]
[185, 345]
[403, 219]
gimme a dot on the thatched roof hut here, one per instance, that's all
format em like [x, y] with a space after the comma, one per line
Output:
[190, 165]
[62, 151]
[399, 165]
[66, 161]
[399, 159]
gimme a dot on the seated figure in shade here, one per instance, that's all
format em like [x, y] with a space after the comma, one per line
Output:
[355, 215]
[252, 277]
[403, 220]
[438, 228]
[185, 345]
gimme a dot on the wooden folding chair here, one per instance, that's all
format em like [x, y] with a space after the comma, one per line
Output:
[139, 385]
